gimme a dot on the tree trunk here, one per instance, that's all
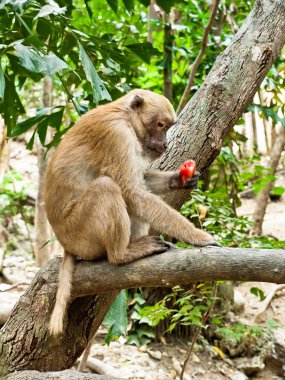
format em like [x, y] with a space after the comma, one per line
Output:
[227, 91]
[4, 149]
[167, 50]
[25, 343]
[201, 128]
[154, 13]
[262, 198]
[42, 226]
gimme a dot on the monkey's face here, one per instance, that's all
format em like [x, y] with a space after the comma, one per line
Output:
[155, 138]
[156, 115]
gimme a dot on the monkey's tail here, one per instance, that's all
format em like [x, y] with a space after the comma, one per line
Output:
[63, 294]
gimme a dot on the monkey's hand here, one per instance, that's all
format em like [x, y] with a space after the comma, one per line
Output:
[176, 181]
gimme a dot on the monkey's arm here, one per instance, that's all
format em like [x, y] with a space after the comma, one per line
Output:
[162, 182]
[126, 170]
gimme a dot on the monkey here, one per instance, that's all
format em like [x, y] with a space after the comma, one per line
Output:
[101, 199]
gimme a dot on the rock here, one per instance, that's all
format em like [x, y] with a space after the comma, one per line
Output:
[250, 365]
[238, 375]
[157, 355]
[7, 301]
[195, 358]
[239, 301]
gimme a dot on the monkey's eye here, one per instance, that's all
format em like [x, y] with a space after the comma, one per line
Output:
[160, 124]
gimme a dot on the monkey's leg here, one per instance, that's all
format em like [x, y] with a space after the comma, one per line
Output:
[99, 225]
[145, 246]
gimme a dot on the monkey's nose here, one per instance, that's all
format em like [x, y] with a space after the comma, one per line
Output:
[165, 146]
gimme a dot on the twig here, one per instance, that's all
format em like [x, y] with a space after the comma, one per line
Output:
[199, 328]
[102, 368]
[266, 302]
[198, 58]
[14, 286]
[82, 364]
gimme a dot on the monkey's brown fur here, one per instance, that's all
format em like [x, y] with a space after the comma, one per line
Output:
[100, 199]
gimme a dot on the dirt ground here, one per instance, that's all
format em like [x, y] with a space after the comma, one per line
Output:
[164, 361]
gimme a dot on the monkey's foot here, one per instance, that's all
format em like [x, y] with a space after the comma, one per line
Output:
[156, 245]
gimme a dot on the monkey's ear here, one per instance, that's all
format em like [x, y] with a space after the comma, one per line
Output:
[136, 102]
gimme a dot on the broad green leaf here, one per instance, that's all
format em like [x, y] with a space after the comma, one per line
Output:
[54, 64]
[32, 140]
[31, 59]
[2, 84]
[42, 116]
[55, 118]
[99, 90]
[25, 125]
[116, 318]
[12, 106]
[90, 13]
[42, 130]
[129, 4]
[113, 4]
[50, 9]
[143, 50]
[33, 40]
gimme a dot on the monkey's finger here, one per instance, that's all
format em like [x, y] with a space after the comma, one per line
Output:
[191, 183]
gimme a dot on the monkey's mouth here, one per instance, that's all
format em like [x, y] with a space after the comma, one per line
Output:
[153, 153]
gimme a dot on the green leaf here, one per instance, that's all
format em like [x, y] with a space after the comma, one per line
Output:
[2, 84]
[146, 3]
[50, 9]
[12, 106]
[113, 4]
[258, 293]
[143, 50]
[278, 190]
[32, 140]
[129, 4]
[42, 130]
[55, 118]
[42, 116]
[31, 59]
[99, 90]
[54, 64]
[90, 13]
[117, 318]
[25, 125]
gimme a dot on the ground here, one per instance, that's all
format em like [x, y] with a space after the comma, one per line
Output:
[159, 361]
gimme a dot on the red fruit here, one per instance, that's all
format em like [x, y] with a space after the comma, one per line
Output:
[187, 170]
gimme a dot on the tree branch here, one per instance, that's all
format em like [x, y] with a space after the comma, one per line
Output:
[199, 57]
[95, 286]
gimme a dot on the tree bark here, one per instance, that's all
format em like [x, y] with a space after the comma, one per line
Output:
[227, 91]
[262, 198]
[25, 343]
[42, 226]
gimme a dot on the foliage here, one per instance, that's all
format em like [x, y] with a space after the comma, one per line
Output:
[116, 319]
[13, 193]
[14, 210]
[97, 50]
